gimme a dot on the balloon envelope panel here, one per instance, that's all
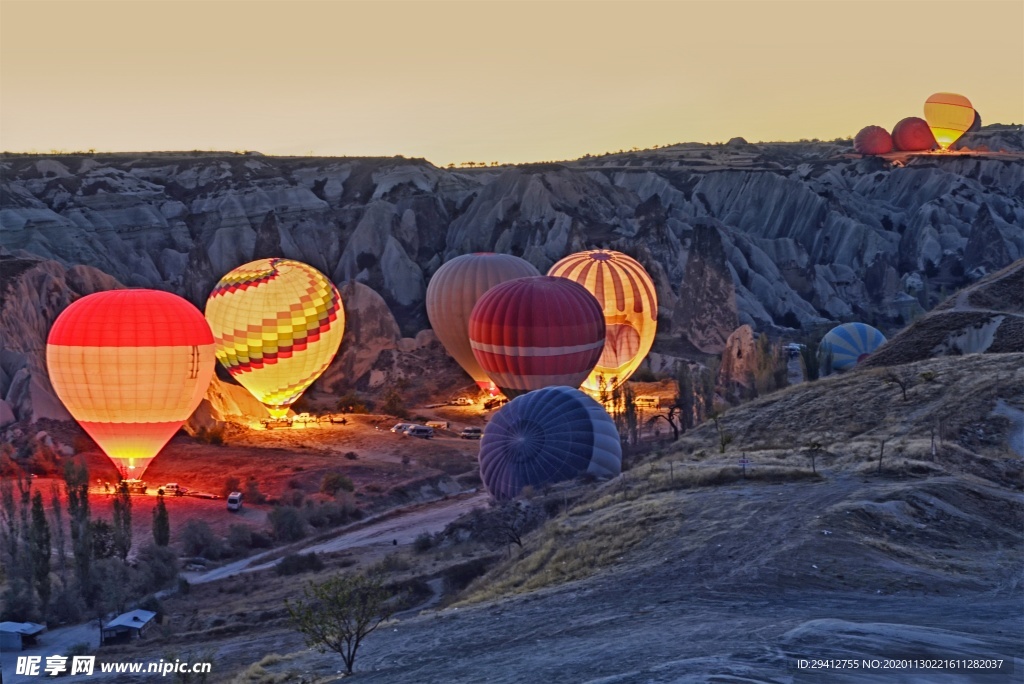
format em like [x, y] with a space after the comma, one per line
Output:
[546, 436]
[130, 366]
[913, 135]
[278, 324]
[629, 304]
[454, 290]
[537, 332]
[851, 343]
[948, 115]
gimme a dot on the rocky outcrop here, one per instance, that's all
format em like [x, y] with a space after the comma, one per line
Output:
[35, 291]
[370, 330]
[986, 318]
[809, 234]
[705, 312]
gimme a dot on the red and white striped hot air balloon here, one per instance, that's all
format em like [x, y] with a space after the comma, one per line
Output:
[131, 366]
[626, 294]
[537, 332]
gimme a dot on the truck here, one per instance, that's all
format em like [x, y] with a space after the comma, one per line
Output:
[235, 501]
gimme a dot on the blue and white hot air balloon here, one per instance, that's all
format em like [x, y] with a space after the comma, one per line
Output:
[851, 343]
[546, 436]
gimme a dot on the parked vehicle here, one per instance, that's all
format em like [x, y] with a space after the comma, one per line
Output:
[174, 489]
[461, 401]
[421, 431]
[235, 501]
[471, 433]
[401, 427]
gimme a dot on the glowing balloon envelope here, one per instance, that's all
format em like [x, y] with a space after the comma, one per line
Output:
[626, 294]
[872, 140]
[131, 366]
[913, 135]
[454, 290]
[851, 343]
[546, 436]
[536, 332]
[277, 324]
[948, 115]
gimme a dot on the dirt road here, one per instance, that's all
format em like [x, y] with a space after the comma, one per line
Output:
[402, 526]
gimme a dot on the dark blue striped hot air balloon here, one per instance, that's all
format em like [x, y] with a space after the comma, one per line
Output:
[545, 436]
[851, 343]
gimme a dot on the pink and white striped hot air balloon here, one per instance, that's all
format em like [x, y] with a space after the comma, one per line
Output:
[537, 332]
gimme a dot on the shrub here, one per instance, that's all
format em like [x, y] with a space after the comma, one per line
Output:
[157, 568]
[232, 484]
[198, 540]
[287, 523]
[423, 543]
[351, 455]
[295, 563]
[253, 493]
[334, 481]
[240, 538]
[457, 577]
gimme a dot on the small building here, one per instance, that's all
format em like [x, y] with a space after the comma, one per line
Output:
[14, 636]
[128, 626]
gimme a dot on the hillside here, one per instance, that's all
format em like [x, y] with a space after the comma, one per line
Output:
[685, 569]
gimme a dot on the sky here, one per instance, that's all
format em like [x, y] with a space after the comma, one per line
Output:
[487, 81]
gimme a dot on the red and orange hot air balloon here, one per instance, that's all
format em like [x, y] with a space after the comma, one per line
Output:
[453, 292]
[537, 332]
[949, 116]
[131, 366]
[629, 304]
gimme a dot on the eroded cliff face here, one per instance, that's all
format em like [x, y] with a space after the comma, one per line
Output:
[34, 292]
[776, 236]
[810, 234]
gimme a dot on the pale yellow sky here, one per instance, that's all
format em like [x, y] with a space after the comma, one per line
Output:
[488, 81]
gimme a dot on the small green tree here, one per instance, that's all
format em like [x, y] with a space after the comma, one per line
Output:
[161, 522]
[338, 613]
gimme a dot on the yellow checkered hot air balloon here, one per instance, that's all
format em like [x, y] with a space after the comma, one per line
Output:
[626, 294]
[277, 325]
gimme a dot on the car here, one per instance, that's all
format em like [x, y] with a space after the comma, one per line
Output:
[421, 431]
[235, 501]
[471, 433]
[174, 489]
[461, 401]
[401, 427]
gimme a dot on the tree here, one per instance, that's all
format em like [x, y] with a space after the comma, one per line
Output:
[161, 522]
[122, 521]
[338, 613]
[40, 536]
[76, 485]
[901, 377]
[813, 449]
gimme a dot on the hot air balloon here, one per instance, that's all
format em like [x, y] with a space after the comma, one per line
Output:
[277, 325]
[535, 332]
[976, 124]
[948, 115]
[872, 140]
[546, 436]
[131, 366]
[454, 290]
[630, 306]
[851, 343]
[913, 135]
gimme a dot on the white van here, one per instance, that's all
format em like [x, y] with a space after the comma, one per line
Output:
[235, 501]
[421, 431]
